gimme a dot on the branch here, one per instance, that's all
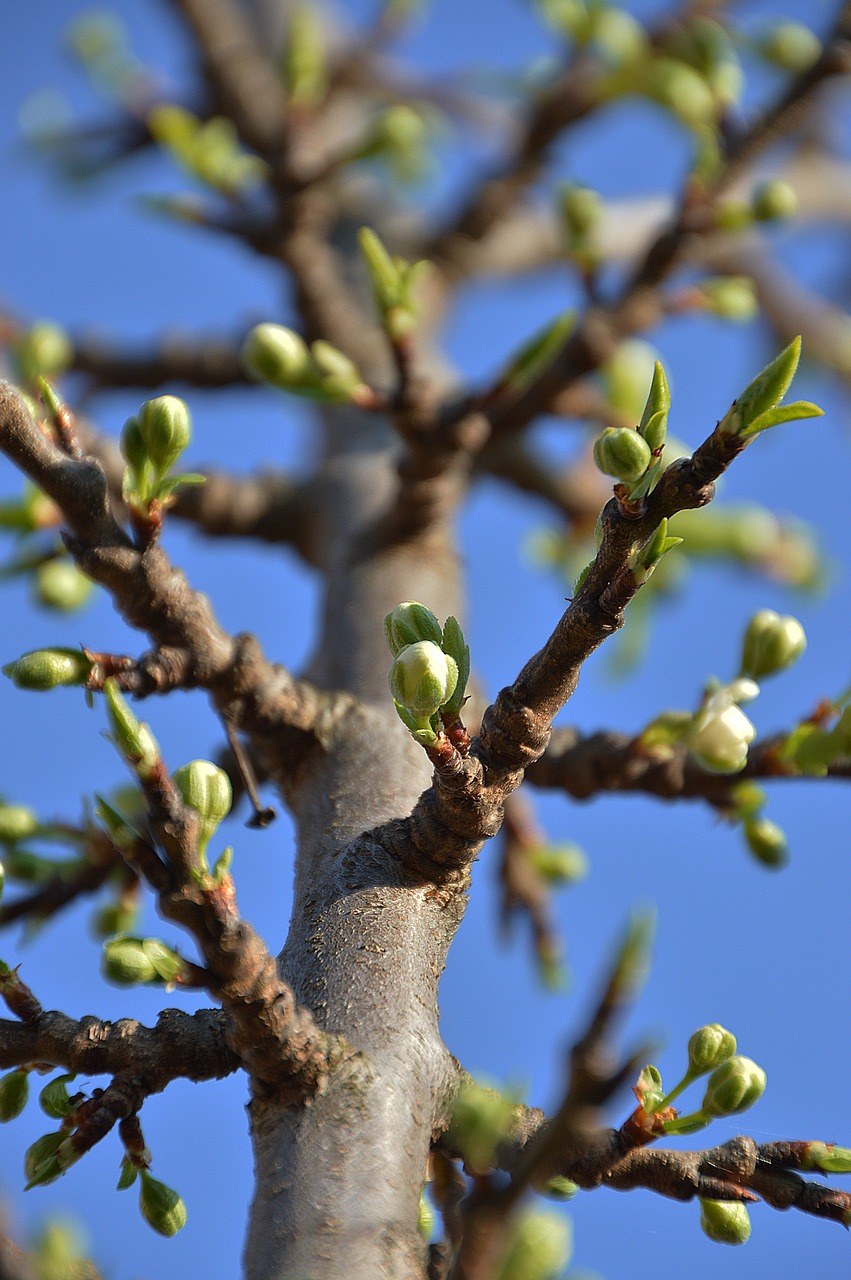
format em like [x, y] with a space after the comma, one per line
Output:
[208, 363]
[587, 765]
[192, 649]
[464, 806]
[181, 1046]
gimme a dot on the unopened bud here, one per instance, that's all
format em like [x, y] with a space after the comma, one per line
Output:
[581, 211]
[771, 644]
[720, 736]
[621, 452]
[132, 737]
[725, 1221]
[338, 377]
[422, 679]
[733, 1087]
[161, 1206]
[166, 429]
[539, 1247]
[206, 789]
[774, 200]
[277, 355]
[14, 1092]
[708, 1048]
[560, 863]
[791, 46]
[44, 669]
[731, 298]
[682, 90]
[766, 841]
[408, 623]
[481, 1118]
[17, 822]
[141, 961]
[44, 350]
[59, 584]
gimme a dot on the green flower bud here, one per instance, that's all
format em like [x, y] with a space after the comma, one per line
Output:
[539, 1247]
[708, 1048]
[141, 961]
[559, 1188]
[59, 584]
[731, 298]
[766, 841]
[560, 863]
[408, 623]
[54, 1099]
[725, 1221]
[115, 917]
[828, 1158]
[774, 200]
[422, 679]
[133, 738]
[621, 452]
[43, 669]
[337, 377]
[161, 1207]
[133, 445]
[206, 789]
[14, 1092]
[771, 644]
[481, 1118]
[166, 429]
[17, 822]
[277, 355]
[733, 1087]
[681, 90]
[44, 350]
[790, 46]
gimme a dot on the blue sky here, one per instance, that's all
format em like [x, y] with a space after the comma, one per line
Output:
[765, 954]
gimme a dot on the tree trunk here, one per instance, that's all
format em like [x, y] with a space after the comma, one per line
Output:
[338, 1180]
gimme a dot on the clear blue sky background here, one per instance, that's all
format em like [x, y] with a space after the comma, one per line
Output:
[766, 954]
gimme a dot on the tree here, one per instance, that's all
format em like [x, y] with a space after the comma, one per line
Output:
[356, 1101]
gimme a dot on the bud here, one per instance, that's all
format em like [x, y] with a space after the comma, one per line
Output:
[14, 1092]
[720, 735]
[481, 1118]
[619, 36]
[539, 1247]
[725, 1221]
[161, 1207]
[305, 58]
[277, 355]
[627, 376]
[336, 376]
[206, 789]
[425, 1218]
[44, 669]
[54, 1099]
[559, 863]
[17, 822]
[165, 428]
[115, 917]
[559, 1188]
[774, 200]
[133, 738]
[621, 452]
[132, 444]
[730, 298]
[59, 584]
[44, 350]
[827, 1157]
[422, 679]
[766, 841]
[708, 1048]
[408, 623]
[141, 961]
[679, 88]
[790, 46]
[772, 643]
[581, 211]
[733, 1087]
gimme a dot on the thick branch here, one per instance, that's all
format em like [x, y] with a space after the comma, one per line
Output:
[207, 363]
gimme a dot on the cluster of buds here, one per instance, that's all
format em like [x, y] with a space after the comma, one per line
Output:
[430, 670]
[771, 201]
[151, 442]
[280, 357]
[208, 150]
[634, 456]
[394, 283]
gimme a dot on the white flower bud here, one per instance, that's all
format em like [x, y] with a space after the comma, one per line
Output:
[422, 679]
[720, 736]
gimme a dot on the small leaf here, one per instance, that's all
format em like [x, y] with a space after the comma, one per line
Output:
[795, 412]
[128, 1175]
